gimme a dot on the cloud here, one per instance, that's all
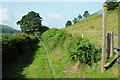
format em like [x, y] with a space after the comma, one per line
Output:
[3, 15]
[54, 15]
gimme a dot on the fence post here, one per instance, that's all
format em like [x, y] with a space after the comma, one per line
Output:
[103, 37]
[108, 45]
[112, 45]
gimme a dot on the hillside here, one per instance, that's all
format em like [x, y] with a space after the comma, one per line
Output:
[7, 29]
[91, 27]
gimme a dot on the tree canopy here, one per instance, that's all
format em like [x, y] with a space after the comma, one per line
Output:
[30, 23]
[75, 20]
[86, 14]
[79, 17]
[112, 5]
[68, 23]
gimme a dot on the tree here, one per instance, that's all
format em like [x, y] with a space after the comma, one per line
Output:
[86, 14]
[30, 23]
[44, 28]
[68, 23]
[112, 4]
[75, 20]
[79, 17]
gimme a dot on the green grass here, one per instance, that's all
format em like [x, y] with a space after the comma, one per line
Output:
[49, 63]
[51, 68]
[39, 67]
[91, 27]
[95, 71]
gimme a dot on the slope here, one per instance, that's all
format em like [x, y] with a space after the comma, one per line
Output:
[7, 29]
[91, 27]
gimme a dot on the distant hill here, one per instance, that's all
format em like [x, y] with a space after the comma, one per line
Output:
[7, 29]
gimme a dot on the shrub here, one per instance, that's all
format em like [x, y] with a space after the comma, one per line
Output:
[82, 50]
[54, 37]
[16, 45]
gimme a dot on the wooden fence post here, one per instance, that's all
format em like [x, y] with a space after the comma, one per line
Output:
[112, 45]
[103, 37]
[108, 45]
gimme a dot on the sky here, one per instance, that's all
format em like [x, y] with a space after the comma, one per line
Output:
[54, 14]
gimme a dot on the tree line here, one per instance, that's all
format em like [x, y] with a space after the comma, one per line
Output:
[111, 5]
[77, 19]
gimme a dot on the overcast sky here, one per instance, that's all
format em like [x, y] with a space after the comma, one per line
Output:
[54, 14]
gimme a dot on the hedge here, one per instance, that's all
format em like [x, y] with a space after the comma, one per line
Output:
[16, 45]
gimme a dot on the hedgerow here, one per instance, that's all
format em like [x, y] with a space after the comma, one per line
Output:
[16, 45]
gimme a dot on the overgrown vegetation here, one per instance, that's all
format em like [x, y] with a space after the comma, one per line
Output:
[54, 37]
[79, 48]
[15, 45]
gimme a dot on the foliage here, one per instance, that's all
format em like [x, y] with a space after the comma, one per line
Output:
[112, 5]
[54, 37]
[16, 45]
[44, 28]
[86, 14]
[8, 30]
[82, 50]
[79, 48]
[30, 23]
[79, 17]
[75, 20]
[39, 33]
[68, 23]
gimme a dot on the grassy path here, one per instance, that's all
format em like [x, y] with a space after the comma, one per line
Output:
[48, 62]
[40, 68]
[56, 63]
[60, 63]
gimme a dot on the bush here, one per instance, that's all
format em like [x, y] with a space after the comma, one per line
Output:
[82, 50]
[54, 37]
[16, 45]
[112, 5]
